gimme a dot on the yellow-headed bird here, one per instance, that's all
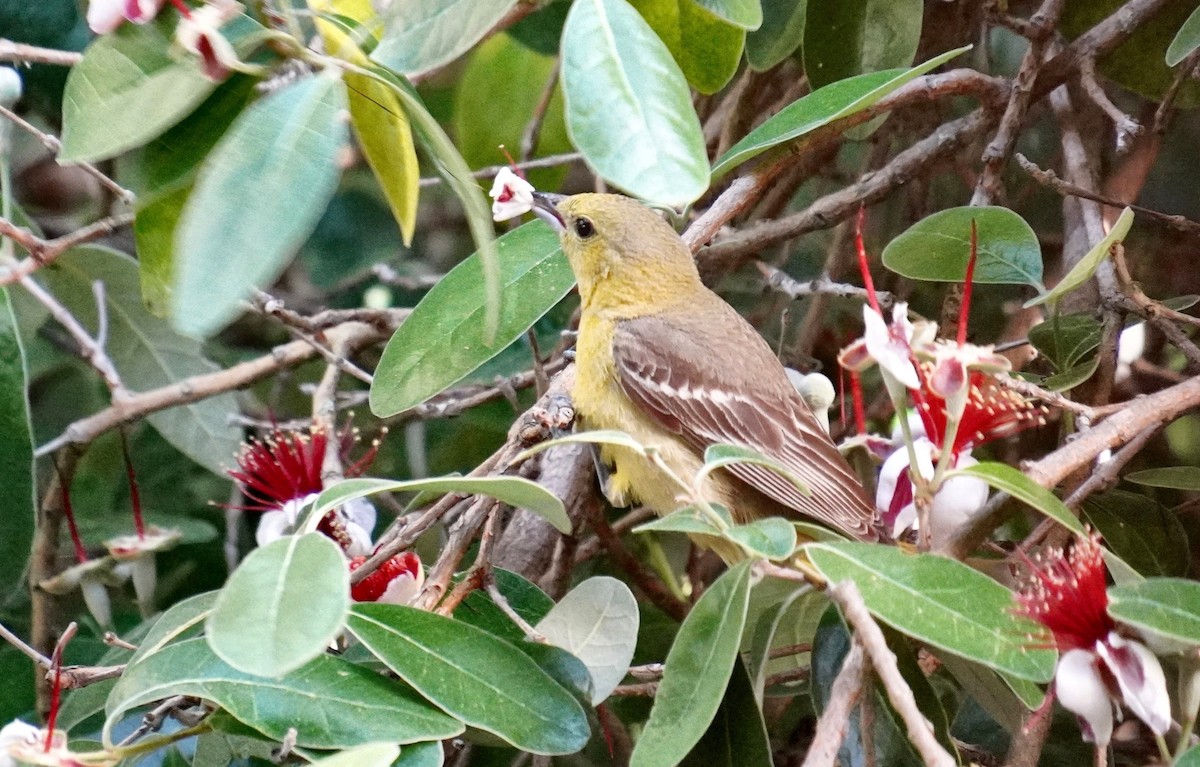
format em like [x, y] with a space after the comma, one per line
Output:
[664, 359]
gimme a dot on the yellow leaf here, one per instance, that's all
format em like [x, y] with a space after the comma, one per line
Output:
[379, 121]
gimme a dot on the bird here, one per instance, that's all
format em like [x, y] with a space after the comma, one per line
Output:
[666, 360]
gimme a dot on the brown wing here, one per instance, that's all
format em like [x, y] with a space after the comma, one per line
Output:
[732, 389]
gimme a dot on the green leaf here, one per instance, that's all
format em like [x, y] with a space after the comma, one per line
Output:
[697, 670]
[1086, 266]
[176, 622]
[770, 538]
[594, 437]
[746, 14]
[938, 247]
[737, 736]
[1012, 481]
[282, 607]
[1169, 607]
[597, 622]
[689, 519]
[1173, 477]
[1072, 376]
[707, 49]
[530, 602]
[147, 352]
[366, 755]
[127, 90]
[942, 602]
[428, 754]
[515, 491]
[154, 237]
[1146, 535]
[1186, 40]
[822, 107]
[779, 36]
[1190, 758]
[790, 619]
[474, 676]
[329, 702]
[843, 39]
[255, 203]
[989, 690]
[420, 35]
[16, 445]
[1067, 339]
[643, 135]
[445, 337]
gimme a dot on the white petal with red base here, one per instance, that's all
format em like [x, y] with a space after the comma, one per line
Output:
[1081, 691]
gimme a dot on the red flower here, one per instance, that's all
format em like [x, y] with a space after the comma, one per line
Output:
[991, 411]
[396, 581]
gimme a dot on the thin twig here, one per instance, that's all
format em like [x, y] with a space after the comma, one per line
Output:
[1125, 126]
[1050, 179]
[1187, 68]
[490, 171]
[781, 282]
[529, 137]
[43, 252]
[920, 732]
[31, 54]
[847, 690]
[20, 644]
[55, 146]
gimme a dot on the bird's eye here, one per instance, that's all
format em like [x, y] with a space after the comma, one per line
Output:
[584, 228]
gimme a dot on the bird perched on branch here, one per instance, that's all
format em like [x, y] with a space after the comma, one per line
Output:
[664, 359]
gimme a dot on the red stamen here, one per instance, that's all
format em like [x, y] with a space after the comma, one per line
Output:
[868, 283]
[964, 310]
[184, 11]
[135, 498]
[860, 413]
[56, 689]
[1067, 593]
[76, 540]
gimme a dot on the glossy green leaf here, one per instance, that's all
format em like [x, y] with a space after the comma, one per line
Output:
[822, 107]
[1190, 758]
[147, 352]
[444, 338]
[16, 445]
[80, 705]
[597, 622]
[1072, 376]
[770, 538]
[474, 676]
[1012, 481]
[1086, 266]
[154, 235]
[330, 703]
[707, 49]
[1168, 607]
[940, 601]
[737, 736]
[420, 35]
[1173, 477]
[254, 204]
[938, 248]
[790, 621]
[845, 38]
[780, 35]
[366, 755]
[127, 90]
[1186, 40]
[1148, 536]
[697, 671]
[643, 135]
[515, 491]
[746, 14]
[988, 689]
[524, 597]
[1067, 339]
[282, 606]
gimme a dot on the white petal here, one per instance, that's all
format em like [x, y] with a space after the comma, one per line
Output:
[890, 352]
[103, 16]
[889, 474]
[401, 590]
[957, 501]
[145, 581]
[512, 195]
[1081, 691]
[361, 512]
[1140, 677]
[16, 733]
[95, 596]
[275, 524]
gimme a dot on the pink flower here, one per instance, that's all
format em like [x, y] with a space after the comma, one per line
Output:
[512, 195]
[396, 581]
[1098, 669]
[104, 16]
[199, 33]
[282, 474]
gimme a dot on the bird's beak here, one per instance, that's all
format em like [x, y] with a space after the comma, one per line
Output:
[545, 207]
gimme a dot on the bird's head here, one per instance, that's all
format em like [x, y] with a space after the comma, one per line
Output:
[620, 250]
